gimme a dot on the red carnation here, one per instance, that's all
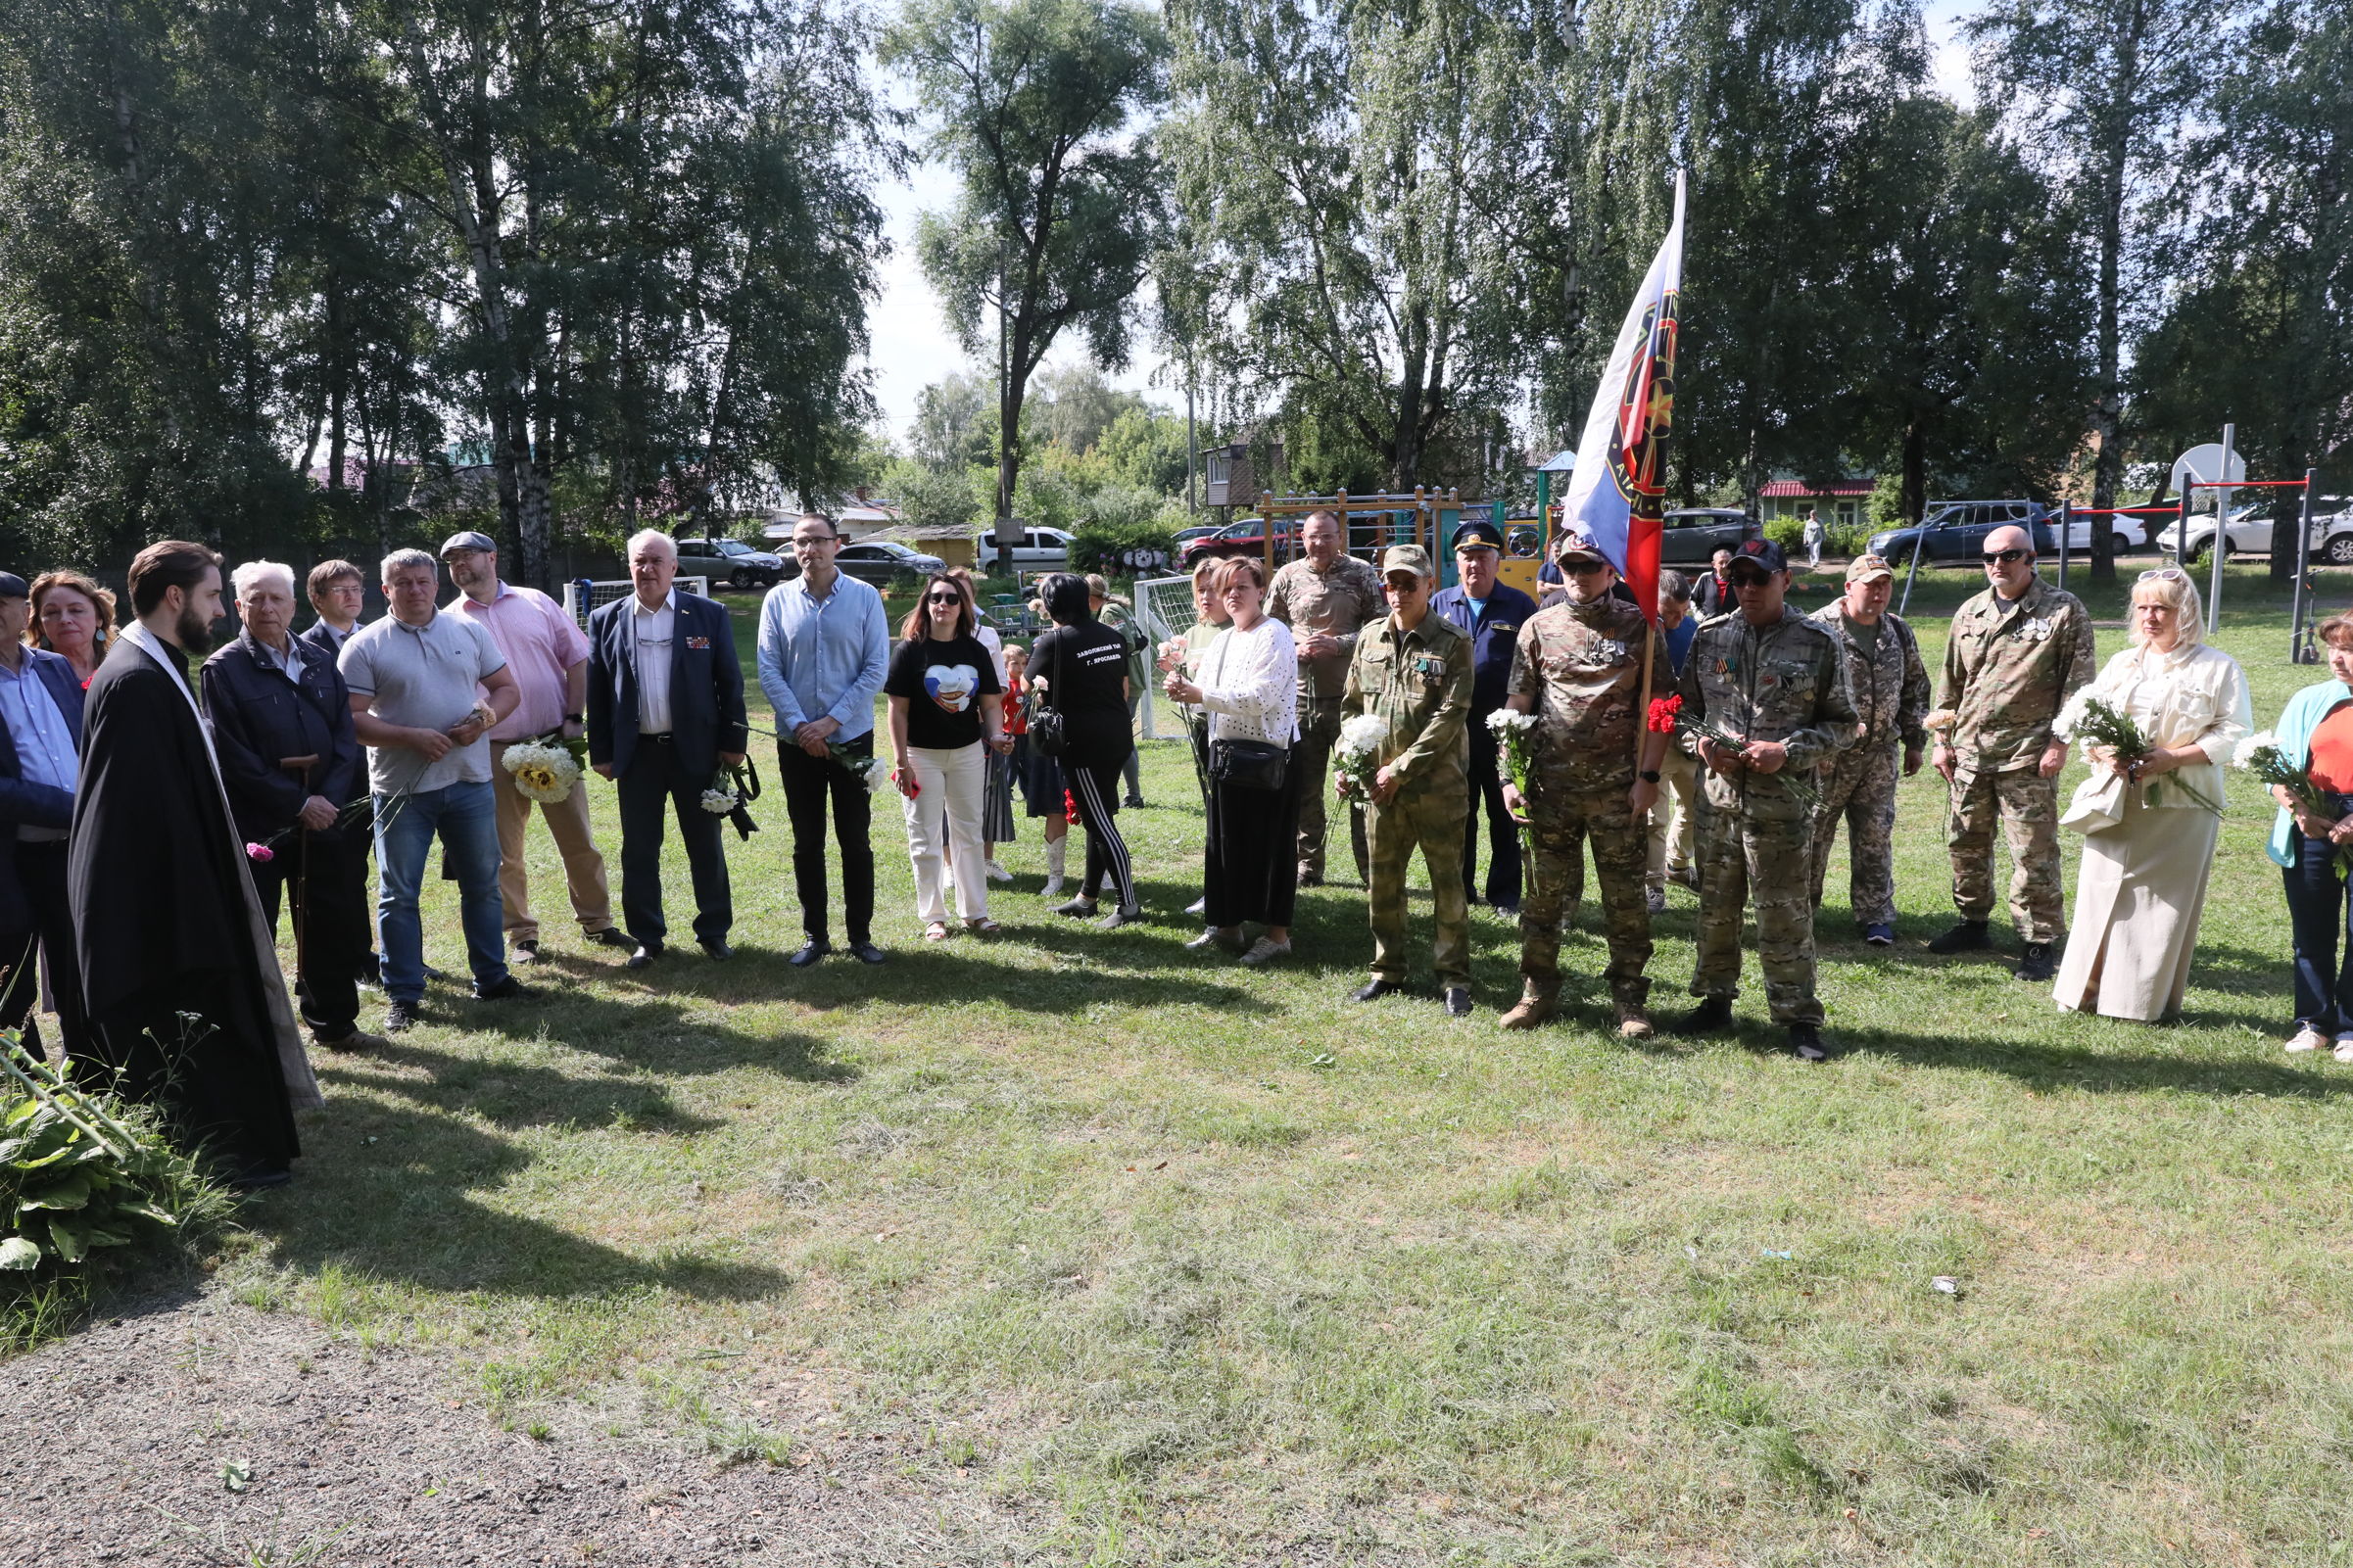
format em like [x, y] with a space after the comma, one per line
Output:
[1661, 719]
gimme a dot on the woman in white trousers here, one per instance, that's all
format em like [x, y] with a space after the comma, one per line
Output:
[946, 722]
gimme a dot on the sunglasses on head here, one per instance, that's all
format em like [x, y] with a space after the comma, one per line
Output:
[2004, 557]
[2165, 574]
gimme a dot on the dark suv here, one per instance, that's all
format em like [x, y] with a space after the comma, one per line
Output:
[1954, 531]
[1694, 534]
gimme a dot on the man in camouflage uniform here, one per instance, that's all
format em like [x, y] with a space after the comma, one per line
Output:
[1324, 600]
[1578, 669]
[1413, 669]
[1777, 681]
[1889, 686]
[2016, 653]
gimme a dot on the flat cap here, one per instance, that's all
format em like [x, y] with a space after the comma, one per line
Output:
[469, 540]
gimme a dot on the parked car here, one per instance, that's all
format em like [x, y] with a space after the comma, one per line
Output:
[2250, 534]
[1248, 536]
[1694, 533]
[1953, 531]
[2125, 534]
[732, 561]
[1185, 536]
[1041, 550]
[886, 562]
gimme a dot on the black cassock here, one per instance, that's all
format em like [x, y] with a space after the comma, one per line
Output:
[167, 923]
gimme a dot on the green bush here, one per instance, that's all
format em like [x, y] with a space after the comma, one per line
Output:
[1789, 532]
[81, 1172]
[1123, 548]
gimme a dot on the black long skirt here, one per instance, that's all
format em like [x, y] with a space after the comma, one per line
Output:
[1250, 863]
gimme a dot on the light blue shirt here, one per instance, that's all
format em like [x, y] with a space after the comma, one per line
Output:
[44, 742]
[2302, 715]
[823, 658]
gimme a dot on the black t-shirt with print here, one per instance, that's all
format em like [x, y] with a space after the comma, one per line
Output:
[1094, 710]
[943, 683]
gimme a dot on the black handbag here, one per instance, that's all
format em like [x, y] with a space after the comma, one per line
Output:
[1048, 734]
[1249, 764]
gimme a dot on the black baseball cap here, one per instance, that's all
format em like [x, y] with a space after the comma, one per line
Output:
[1478, 536]
[1760, 553]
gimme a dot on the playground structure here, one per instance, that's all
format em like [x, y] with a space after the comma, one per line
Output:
[1423, 516]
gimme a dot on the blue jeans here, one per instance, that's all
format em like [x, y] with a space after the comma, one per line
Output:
[2318, 916]
[466, 816]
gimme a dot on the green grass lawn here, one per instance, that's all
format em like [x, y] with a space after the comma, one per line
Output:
[1205, 1266]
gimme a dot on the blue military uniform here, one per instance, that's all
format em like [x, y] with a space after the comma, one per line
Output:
[1493, 634]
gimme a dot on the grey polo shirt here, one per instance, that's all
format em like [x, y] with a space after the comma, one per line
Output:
[426, 678]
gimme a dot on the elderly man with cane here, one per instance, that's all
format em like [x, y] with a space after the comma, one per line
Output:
[290, 762]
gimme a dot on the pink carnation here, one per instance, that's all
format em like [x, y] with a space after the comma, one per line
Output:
[260, 852]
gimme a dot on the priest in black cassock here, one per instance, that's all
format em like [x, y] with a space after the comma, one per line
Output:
[178, 973]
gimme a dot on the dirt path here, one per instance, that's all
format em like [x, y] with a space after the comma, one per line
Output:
[116, 1447]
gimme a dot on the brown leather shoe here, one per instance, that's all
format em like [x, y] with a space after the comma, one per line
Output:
[358, 1040]
[1527, 1013]
[1633, 1022]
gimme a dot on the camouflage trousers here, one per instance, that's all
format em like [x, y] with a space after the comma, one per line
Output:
[1560, 826]
[1860, 786]
[1318, 732]
[1434, 824]
[1740, 856]
[1675, 816]
[2027, 805]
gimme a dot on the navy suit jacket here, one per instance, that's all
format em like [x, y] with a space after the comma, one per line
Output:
[707, 687]
[260, 716]
[34, 805]
[1492, 642]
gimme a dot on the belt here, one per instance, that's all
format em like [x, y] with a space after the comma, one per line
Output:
[660, 739]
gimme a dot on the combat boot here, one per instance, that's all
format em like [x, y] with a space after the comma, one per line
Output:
[1531, 1010]
[1633, 1021]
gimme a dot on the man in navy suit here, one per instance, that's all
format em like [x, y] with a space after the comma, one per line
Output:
[665, 714]
[1491, 615]
[40, 740]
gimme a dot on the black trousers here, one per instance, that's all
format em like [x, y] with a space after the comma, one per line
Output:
[41, 869]
[1095, 786]
[337, 925]
[656, 784]
[810, 783]
[1502, 833]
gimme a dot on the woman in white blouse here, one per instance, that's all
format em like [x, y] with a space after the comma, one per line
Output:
[2150, 823]
[1249, 683]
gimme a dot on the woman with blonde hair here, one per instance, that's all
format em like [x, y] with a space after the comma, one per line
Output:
[74, 618]
[2150, 822]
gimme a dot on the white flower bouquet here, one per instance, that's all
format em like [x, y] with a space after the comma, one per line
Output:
[1357, 757]
[1516, 745]
[868, 768]
[542, 771]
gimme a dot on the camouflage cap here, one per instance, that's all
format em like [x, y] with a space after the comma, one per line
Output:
[1575, 545]
[1869, 569]
[1406, 558]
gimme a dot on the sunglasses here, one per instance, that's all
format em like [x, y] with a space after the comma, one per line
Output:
[945, 598]
[2165, 574]
[2005, 557]
[1748, 579]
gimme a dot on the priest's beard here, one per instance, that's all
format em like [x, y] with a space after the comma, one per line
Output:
[195, 632]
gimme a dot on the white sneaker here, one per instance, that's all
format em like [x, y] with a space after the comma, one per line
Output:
[2344, 1048]
[1199, 906]
[997, 872]
[2307, 1039]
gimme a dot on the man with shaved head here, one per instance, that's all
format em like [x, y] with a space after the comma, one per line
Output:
[2016, 653]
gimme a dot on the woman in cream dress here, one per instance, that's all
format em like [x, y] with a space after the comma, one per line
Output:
[2150, 834]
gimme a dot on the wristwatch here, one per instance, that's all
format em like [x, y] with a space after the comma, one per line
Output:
[1648, 776]
[575, 718]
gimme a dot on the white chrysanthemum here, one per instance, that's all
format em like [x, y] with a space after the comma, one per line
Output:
[1364, 733]
[542, 773]
[718, 802]
[2071, 717]
[2265, 741]
[1502, 721]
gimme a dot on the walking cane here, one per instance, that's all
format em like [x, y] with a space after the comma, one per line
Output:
[301, 768]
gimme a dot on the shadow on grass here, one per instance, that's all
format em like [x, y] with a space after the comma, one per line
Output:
[394, 1193]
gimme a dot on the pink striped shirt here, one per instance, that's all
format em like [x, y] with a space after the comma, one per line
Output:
[540, 643]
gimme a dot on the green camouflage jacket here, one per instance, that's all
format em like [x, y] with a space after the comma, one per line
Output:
[1420, 681]
[1786, 682]
[2009, 667]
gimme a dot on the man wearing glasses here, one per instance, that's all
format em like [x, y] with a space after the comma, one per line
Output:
[2016, 653]
[1777, 682]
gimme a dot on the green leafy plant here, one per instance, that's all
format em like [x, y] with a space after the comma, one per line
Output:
[81, 1172]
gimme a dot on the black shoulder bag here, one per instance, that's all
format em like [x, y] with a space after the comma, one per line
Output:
[1047, 732]
[1246, 764]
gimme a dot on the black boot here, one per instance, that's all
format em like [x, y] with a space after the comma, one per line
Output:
[1969, 937]
[1713, 1013]
[2034, 962]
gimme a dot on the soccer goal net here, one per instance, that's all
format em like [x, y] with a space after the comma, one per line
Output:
[581, 595]
[1165, 604]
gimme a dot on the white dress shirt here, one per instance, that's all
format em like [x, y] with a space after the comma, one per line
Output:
[651, 634]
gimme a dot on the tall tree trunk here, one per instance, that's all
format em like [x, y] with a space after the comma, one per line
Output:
[337, 373]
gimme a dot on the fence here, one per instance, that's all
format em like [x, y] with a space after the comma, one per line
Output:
[582, 595]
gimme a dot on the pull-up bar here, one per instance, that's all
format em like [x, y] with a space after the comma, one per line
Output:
[2248, 484]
